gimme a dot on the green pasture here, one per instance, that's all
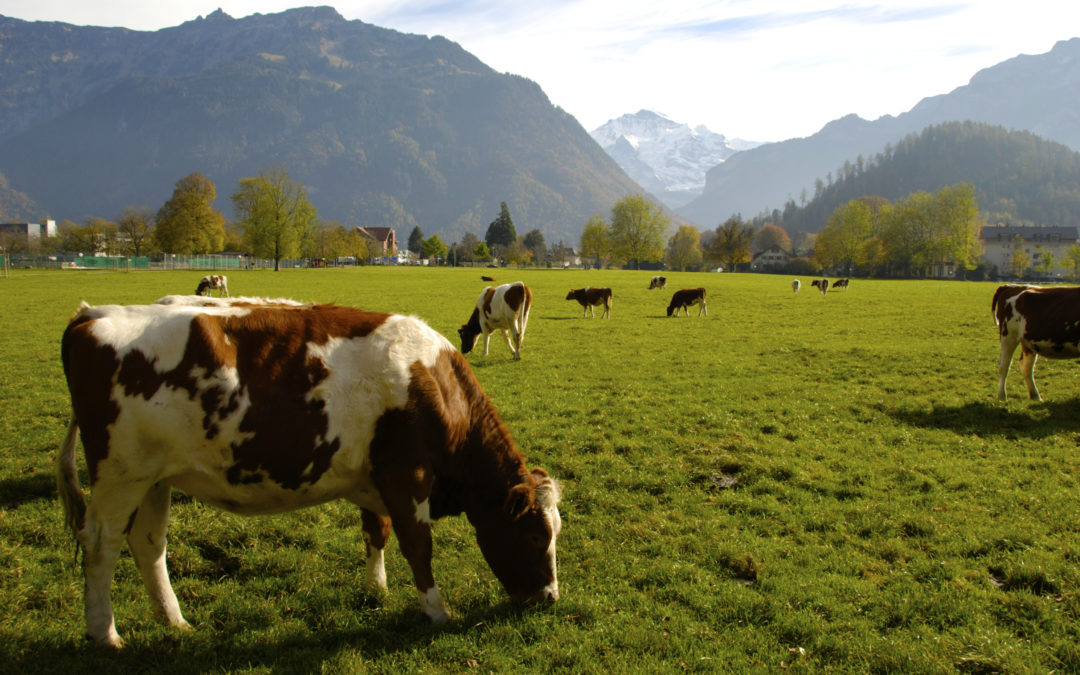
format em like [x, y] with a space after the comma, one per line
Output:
[792, 482]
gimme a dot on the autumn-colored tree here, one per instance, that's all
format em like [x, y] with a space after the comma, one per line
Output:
[731, 245]
[136, 224]
[769, 236]
[188, 223]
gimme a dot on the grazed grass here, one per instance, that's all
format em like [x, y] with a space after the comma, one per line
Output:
[793, 481]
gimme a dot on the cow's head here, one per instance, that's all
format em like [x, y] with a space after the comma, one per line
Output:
[518, 539]
[469, 331]
[571, 294]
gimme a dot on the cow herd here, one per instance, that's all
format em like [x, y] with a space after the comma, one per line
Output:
[821, 284]
[262, 406]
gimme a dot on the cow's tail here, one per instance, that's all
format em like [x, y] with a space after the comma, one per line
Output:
[999, 295]
[67, 480]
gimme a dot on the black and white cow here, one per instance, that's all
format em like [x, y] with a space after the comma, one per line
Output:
[658, 282]
[268, 406]
[212, 282]
[821, 284]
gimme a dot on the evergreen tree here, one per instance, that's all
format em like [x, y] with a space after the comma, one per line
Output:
[416, 240]
[534, 241]
[501, 230]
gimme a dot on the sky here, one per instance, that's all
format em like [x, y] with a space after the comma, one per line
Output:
[757, 70]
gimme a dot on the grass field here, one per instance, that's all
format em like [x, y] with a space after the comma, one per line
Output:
[793, 482]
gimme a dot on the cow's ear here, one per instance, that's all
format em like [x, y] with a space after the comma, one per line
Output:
[519, 501]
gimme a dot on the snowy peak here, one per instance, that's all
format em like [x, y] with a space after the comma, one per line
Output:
[665, 157]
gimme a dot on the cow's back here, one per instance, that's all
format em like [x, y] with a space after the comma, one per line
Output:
[254, 408]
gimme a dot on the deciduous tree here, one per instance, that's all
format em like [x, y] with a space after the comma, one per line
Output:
[596, 240]
[731, 245]
[639, 227]
[188, 223]
[684, 248]
[136, 224]
[275, 214]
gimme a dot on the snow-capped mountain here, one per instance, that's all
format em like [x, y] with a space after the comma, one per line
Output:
[666, 158]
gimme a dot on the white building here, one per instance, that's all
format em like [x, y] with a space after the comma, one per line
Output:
[1000, 241]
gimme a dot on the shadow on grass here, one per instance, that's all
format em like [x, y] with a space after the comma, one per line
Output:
[14, 492]
[982, 418]
[199, 651]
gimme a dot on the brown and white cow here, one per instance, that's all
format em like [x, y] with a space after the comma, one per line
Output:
[212, 282]
[590, 297]
[685, 299]
[1043, 321]
[658, 282]
[264, 407]
[796, 285]
[821, 284]
[504, 308]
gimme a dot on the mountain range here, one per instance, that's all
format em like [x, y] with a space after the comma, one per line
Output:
[1039, 93]
[381, 127]
[666, 158]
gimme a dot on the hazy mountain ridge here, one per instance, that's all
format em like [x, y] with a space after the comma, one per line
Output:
[383, 128]
[1036, 93]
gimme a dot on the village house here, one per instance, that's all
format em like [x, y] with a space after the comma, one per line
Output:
[1000, 241]
[384, 237]
[26, 231]
[771, 258]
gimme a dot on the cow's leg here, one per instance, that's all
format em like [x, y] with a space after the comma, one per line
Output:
[1027, 369]
[703, 308]
[376, 534]
[112, 508]
[516, 351]
[147, 538]
[487, 342]
[1008, 346]
[411, 519]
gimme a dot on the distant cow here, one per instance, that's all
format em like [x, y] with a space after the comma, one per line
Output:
[211, 282]
[658, 282]
[841, 283]
[484, 277]
[504, 308]
[685, 299]
[590, 297]
[268, 407]
[1043, 321]
[796, 285]
[821, 284]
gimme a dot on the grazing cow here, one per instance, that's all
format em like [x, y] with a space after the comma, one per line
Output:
[211, 282]
[268, 407]
[589, 297]
[821, 284]
[504, 308]
[796, 285]
[1043, 321]
[686, 298]
[485, 277]
[841, 283]
[658, 282]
